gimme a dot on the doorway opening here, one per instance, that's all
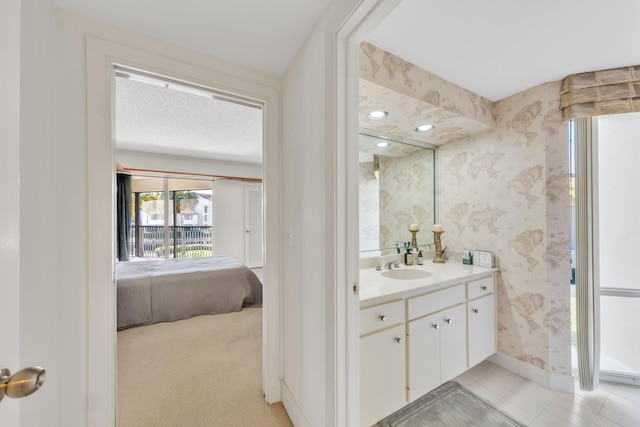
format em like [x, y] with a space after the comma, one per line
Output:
[194, 156]
[617, 230]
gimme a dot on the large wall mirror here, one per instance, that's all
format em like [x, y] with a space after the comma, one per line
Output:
[397, 188]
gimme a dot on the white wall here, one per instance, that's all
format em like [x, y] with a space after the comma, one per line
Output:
[310, 282]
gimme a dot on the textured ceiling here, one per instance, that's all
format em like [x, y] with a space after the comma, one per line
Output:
[155, 119]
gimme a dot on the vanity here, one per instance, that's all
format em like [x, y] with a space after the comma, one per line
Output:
[421, 326]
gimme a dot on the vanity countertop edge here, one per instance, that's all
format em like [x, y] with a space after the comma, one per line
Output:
[375, 290]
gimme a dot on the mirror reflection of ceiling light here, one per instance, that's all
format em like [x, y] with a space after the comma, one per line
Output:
[377, 115]
[382, 144]
[424, 128]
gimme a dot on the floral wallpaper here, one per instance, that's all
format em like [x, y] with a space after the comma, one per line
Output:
[505, 189]
[369, 208]
[414, 96]
[406, 197]
[402, 195]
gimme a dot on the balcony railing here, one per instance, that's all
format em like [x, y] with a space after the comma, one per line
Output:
[187, 241]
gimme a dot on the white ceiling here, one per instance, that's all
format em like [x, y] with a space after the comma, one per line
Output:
[262, 34]
[495, 48]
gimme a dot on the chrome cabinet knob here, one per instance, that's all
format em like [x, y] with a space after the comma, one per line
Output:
[383, 318]
[435, 326]
[449, 321]
[475, 310]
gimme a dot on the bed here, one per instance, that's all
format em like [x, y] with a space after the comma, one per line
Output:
[164, 290]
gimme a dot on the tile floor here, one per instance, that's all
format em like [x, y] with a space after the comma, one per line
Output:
[611, 405]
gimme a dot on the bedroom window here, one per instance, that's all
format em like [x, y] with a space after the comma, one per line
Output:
[168, 218]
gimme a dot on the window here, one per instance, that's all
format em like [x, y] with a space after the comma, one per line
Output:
[166, 218]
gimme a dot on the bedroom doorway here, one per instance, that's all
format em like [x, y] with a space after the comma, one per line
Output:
[172, 132]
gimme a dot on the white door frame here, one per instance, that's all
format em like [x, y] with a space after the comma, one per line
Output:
[102, 55]
[366, 16]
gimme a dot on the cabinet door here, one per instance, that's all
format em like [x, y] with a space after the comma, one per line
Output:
[453, 342]
[482, 329]
[383, 386]
[423, 373]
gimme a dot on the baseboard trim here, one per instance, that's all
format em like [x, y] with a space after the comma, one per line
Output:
[556, 382]
[293, 409]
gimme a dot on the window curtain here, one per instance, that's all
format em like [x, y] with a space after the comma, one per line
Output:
[587, 286]
[123, 215]
[596, 93]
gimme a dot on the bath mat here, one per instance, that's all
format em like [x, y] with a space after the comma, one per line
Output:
[450, 405]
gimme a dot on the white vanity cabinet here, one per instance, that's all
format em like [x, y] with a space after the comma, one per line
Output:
[413, 340]
[481, 317]
[437, 341]
[382, 361]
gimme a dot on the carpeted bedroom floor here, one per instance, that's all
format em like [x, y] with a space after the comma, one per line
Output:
[199, 372]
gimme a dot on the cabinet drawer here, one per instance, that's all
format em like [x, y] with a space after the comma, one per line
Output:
[381, 316]
[435, 301]
[480, 287]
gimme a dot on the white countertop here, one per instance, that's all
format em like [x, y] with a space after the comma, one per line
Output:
[376, 288]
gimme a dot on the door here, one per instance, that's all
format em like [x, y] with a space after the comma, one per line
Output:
[618, 235]
[253, 226]
[482, 329]
[453, 342]
[424, 355]
[382, 374]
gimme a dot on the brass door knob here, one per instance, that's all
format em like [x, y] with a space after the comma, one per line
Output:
[22, 383]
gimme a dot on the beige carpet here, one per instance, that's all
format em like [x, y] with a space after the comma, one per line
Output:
[199, 372]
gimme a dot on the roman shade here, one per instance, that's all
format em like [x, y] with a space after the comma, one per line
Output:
[612, 91]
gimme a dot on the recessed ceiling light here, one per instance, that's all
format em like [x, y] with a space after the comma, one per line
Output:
[424, 128]
[377, 115]
[382, 144]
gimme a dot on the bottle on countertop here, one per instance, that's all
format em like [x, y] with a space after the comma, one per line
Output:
[408, 257]
[420, 258]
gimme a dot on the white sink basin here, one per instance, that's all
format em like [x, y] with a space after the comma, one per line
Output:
[406, 274]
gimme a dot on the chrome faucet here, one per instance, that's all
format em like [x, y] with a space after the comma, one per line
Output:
[390, 264]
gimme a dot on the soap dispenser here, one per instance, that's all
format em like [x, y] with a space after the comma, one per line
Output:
[420, 258]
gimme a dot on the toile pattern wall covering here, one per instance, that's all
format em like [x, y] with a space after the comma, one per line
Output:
[406, 197]
[508, 191]
[369, 192]
[505, 190]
